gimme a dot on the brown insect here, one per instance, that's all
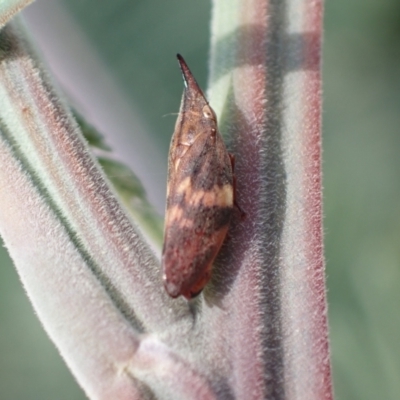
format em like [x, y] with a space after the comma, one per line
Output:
[200, 194]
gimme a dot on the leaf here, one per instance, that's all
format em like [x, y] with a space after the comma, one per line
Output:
[126, 184]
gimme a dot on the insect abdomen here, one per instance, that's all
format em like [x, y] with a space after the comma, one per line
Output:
[190, 247]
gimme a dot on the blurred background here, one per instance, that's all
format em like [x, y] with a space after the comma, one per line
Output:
[122, 54]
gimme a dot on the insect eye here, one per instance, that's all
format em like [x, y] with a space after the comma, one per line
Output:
[208, 113]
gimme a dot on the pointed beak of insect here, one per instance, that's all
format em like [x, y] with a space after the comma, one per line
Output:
[190, 83]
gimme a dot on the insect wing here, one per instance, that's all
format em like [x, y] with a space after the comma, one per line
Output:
[199, 197]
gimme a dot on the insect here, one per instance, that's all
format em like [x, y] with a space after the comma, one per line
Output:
[200, 194]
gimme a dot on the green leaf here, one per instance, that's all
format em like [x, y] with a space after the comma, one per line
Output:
[126, 184]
